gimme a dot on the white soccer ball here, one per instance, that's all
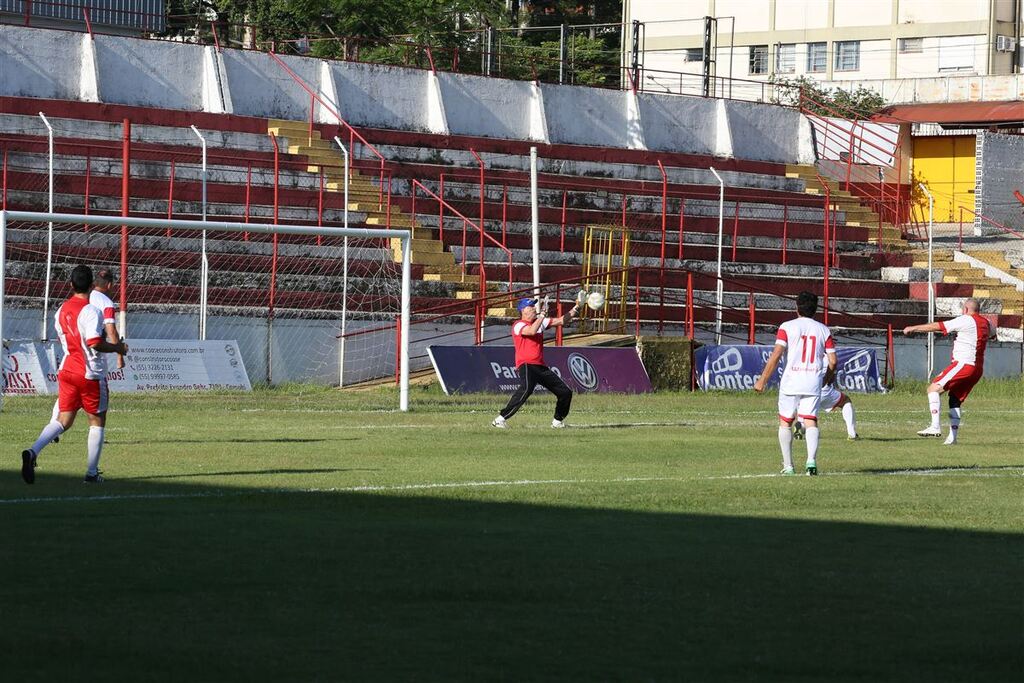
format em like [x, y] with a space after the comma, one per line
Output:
[595, 301]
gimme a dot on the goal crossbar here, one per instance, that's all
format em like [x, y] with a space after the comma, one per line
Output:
[259, 228]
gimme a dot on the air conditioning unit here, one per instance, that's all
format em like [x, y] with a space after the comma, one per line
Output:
[1005, 44]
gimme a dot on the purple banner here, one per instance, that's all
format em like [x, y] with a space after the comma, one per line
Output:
[472, 369]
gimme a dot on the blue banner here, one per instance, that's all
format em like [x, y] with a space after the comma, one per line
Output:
[470, 369]
[736, 367]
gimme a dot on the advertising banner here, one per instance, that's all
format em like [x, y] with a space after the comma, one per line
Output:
[736, 367]
[30, 367]
[472, 369]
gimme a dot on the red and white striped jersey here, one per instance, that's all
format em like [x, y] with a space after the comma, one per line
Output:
[971, 337]
[806, 342]
[106, 306]
[80, 328]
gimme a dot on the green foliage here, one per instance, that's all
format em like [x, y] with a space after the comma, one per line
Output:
[399, 31]
[860, 103]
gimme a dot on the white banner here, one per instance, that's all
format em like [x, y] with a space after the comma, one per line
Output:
[30, 367]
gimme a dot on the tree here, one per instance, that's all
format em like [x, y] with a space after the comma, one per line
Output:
[860, 103]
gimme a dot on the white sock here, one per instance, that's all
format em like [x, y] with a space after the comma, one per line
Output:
[56, 411]
[811, 436]
[954, 423]
[786, 442]
[850, 418]
[934, 402]
[46, 436]
[95, 442]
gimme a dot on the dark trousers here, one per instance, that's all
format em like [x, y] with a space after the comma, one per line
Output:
[529, 377]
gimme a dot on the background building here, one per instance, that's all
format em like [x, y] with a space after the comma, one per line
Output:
[829, 40]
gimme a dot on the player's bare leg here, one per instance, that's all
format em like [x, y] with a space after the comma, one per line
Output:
[786, 444]
[811, 433]
[95, 447]
[935, 392]
[51, 431]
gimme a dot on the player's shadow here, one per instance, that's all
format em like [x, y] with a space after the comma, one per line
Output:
[245, 473]
[187, 581]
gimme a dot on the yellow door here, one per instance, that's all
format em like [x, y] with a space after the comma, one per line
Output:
[946, 167]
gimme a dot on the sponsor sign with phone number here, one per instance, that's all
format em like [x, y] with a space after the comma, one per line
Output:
[735, 367]
[30, 367]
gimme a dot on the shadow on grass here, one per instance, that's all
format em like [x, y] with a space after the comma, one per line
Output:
[214, 441]
[185, 582]
[940, 468]
[242, 473]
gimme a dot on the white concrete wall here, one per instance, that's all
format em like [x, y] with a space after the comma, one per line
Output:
[680, 124]
[163, 74]
[586, 116]
[39, 63]
[185, 77]
[764, 133]
[260, 87]
[491, 107]
[380, 96]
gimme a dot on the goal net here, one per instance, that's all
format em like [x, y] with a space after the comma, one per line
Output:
[292, 304]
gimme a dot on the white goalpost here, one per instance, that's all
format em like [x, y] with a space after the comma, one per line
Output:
[290, 286]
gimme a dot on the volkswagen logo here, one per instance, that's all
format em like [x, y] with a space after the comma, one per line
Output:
[583, 371]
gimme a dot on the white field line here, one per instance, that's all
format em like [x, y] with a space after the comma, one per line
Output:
[387, 488]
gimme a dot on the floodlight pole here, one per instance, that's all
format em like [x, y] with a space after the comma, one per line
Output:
[931, 286]
[718, 286]
[344, 272]
[49, 227]
[535, 221]
[3, 269]
[204, 267]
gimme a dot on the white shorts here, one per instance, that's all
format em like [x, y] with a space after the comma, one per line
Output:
[830, 397]
[805, 406]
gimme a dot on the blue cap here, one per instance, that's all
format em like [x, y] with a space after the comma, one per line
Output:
[523, 303]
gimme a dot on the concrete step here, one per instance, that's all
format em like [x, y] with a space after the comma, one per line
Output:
[419, 246]
[395, 222]
[427, 258]
[455, 278]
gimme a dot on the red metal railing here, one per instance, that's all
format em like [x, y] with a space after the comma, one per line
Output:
[416, 185]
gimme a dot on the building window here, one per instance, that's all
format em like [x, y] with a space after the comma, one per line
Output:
[908, 45]
[785, 59]
[956, 53]
[758, 59]
[848, 55]
[817, 54]
[693, 54]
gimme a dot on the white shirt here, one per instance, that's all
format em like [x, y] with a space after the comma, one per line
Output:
[106, 306]
[971, 336]
[806, 342]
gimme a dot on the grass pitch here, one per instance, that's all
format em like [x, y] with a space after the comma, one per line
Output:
[307, 534]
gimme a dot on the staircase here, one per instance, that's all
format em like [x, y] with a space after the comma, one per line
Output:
[983, 287]
[857, 214]
[364, 196]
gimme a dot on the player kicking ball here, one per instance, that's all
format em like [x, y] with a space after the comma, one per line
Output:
[82, 377]
[528, 339]
[810, 363]
[967, 366]
[831, 400]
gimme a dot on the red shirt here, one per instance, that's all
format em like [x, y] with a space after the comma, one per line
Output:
[80, 328]
[529, 347]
